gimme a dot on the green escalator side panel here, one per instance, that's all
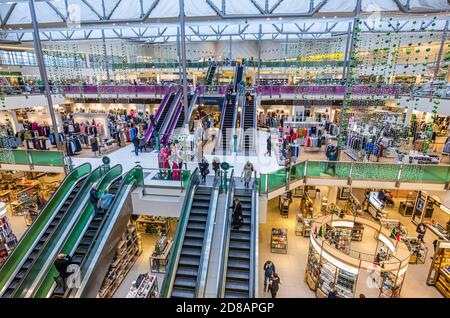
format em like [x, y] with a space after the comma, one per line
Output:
[132, 177]
[77, 231]
[55, 239]
[178, 240]
[32, 234]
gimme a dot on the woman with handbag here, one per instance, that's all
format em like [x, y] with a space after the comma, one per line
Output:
[274, 285]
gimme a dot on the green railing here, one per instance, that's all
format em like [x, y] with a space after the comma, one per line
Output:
[297, 64]
[383, 172]
[32, 234]
[77, 231]
[32, 157]
[55, 240]
[179, 235]
[119, 66]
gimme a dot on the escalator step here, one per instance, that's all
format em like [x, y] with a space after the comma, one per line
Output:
[238, 264]
[195, 234]
[240, 286]
[199, 211]
[193, 242]
[189, 261]
[81, 250]
[242, 245]
[239, 236]
[243, 229]
[86, 242]
[90, 234]
[77, 259]
[200, 204]
[238, 275]
[189, 251]
[239, 254]
[203, 197]
[198, 218]
[233, 294]
[183, 293]
[8, 293]
[187, 271]
[58, 291]
[196, 226]
[185, 282]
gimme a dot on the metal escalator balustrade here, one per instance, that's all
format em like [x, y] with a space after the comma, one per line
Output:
[47, 283]
[37, 234]
[210, 75]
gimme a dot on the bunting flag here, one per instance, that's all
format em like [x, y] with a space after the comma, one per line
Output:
[320, 232]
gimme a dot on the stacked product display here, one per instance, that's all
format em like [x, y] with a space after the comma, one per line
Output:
[312, 268]
[279, 241]
[8, 240]
[127, 252]
[417, 248]
[345, 284]
[160, 255]
[145, 286]
[391, 285]
[439, 274]
[153, 224]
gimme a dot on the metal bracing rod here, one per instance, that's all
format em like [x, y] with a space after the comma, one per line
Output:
[259, 54]
[43, 72]
[180, 73]
[441, 49]
[183, 62]
[346, 53]
[105, 56]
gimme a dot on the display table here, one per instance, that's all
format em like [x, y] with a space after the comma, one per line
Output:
[279, 241]
[145, 286]
[158, 261]
[439, 231]
[376, 207]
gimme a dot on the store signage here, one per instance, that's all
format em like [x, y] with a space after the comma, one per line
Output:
[342, 224]
[445, 209]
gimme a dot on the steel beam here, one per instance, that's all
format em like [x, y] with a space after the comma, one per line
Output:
[183, 62]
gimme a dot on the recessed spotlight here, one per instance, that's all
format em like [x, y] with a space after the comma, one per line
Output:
[268, 19]
[335, 16]
[280, 18]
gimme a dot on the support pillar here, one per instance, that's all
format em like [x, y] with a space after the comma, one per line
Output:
[42, 70]
[332, 195]
[183, 60]
[259, 54]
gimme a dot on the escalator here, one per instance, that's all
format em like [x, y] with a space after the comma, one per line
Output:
[158, 114]
[228, 123]
[185, 282]
[192, 99]
[210, 74]
[238, 76]
[239, 278]
[41, 232]
[164, 113]
[82, 230]
[249, 125]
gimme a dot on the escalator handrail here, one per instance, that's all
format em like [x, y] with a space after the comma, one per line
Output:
[192, 104]
[128, 179]
[69, 208]
[66, 239]
[242, 121]
[167, 284]
[226, 236]
[253, 284]
[235, 109]
[255, 131]
[173, 123]
[15, 254]
[158, 114]
[207, 72]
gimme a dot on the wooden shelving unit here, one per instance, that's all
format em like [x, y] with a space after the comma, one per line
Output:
[129, 249]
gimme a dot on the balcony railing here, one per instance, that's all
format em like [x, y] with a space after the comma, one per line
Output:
[32, 157]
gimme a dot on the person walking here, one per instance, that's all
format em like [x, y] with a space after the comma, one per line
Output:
[204, 171]
[247, 173]
[94, 145]
[269, 269]
[61, 264]
[216, 165]
[93, 198]
[136, 145]
[105, 201]
[421, 229]
[269, 146]
[274, 285]
[237, 214]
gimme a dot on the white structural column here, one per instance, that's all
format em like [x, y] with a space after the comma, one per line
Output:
[259, 54]
[183, 60]
[42, 70]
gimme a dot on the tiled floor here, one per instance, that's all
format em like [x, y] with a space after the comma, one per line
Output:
[291, 266]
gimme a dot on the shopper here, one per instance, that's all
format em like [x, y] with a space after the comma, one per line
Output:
[269, 146]
[204, 171]
[247, 173]
[94, 197]
[142, 143]
[105, 201]
[274, 285]
[94, 145]
[332, 155]
[216, 165]
[421, 229]
[269, 269]
[136, 145]
[61, 264]
[332, 292]
[237, 214]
